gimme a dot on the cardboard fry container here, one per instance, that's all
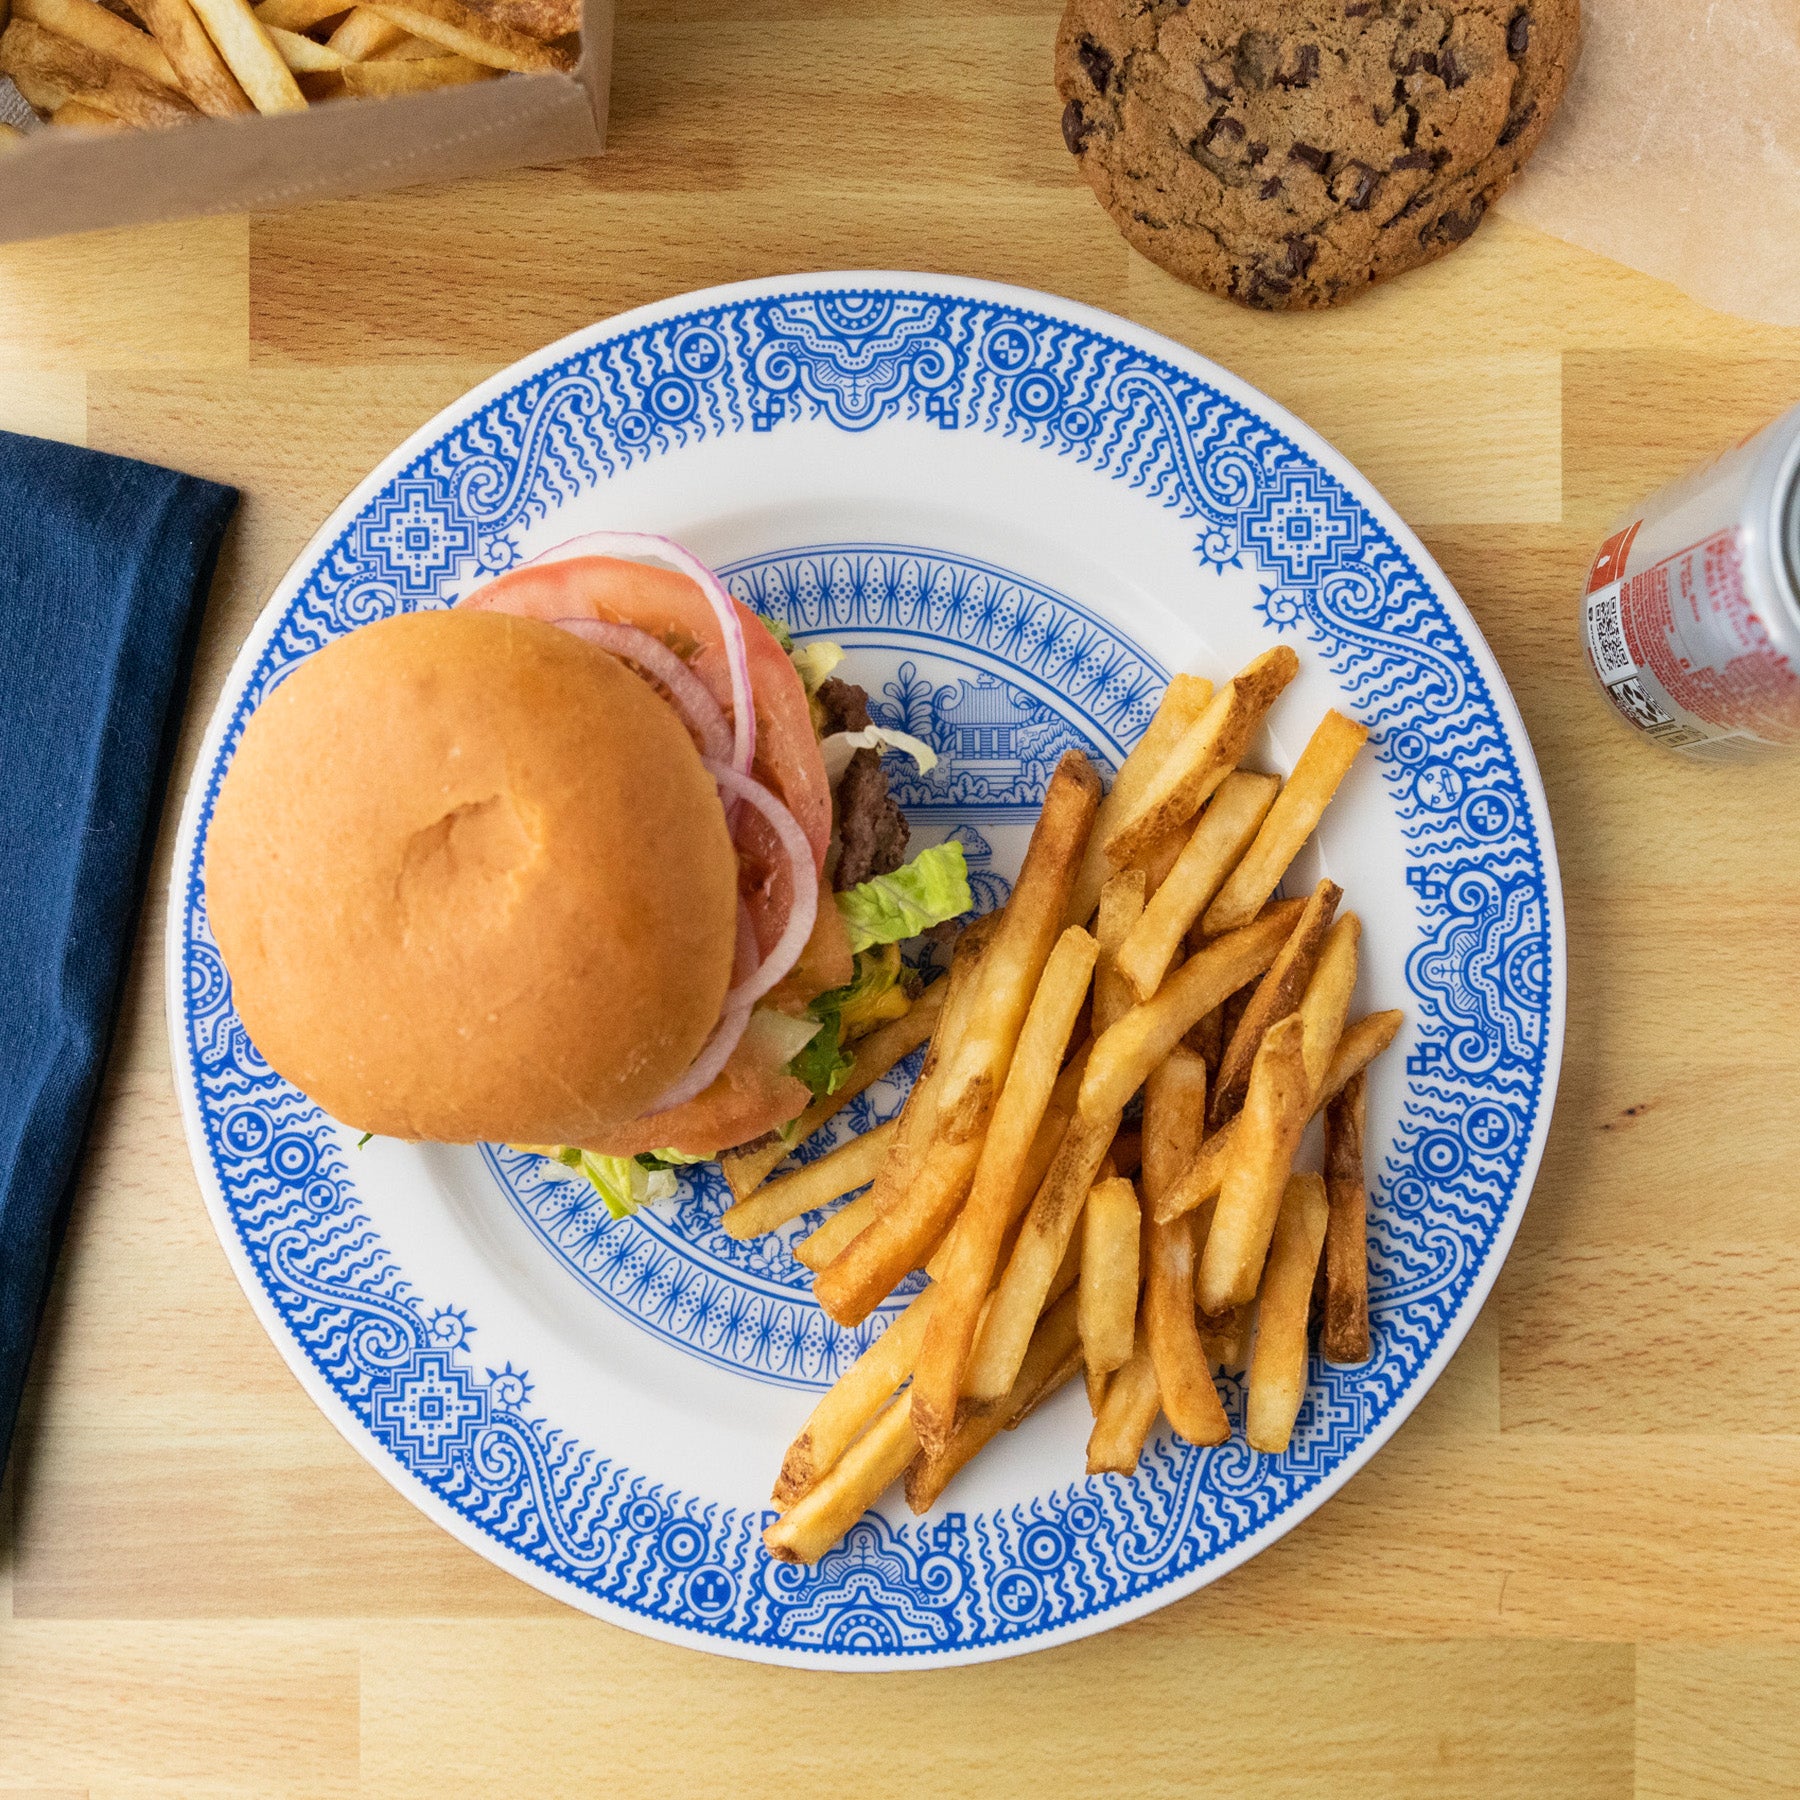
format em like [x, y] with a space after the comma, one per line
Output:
[61, 181]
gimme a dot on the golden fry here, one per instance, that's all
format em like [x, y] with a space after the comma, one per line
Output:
[993, 1194]
[1126, 1415]
[1121, 906]
[250, 55]
[818, 1249]
[1277, 994]
[1051, 1360]
[401, 74]
[850, 1166]
[1356, 1049]
[1292, 820]
[301, 54]
[1344, 1335]
[1326, 1003]
[76, 72]
[466, 32]
[821, 1516]
[853, 1400]
[204, 77]
[540, 19]
[1184, 700]
[298, 15]
[1278, 1367]
[1223, 833]
[84, 23]
[1208, 751]
[1107, 1313]
[88, 118]
[1275, 1112]
[884, 1048]
[1043, 1243]
[1127, 1051]
[365, 35]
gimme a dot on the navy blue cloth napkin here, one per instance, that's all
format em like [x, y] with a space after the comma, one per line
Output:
[104, 567]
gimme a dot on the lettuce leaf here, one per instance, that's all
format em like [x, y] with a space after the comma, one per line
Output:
[824, 1063]
[624, 1183]
[930, 889]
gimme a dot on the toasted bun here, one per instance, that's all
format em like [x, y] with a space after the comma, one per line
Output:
[471, 881]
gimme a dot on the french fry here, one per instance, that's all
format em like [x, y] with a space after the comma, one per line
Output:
[365, 34]
[1121, 906]
[204, 77]
[1223, 833]
[408, 75]
[1276, 1109]
[1043, 1242]
[301, 54]
[1052, 1359]
[298, 15]
[1356, 1049]
[821, 1516]
[1207, 1039]
[1278, 1367]
[1344, 1336]
[1277, 994]
[1155, 863]
[98, 80]
[1326, 1003]
[974, 1068]
[250, 55]
[1127, 1051]
[1209, 750]
[1184, 700]
[465, 32]
[1126, 1415]
[88, 118]
[45, 95]
[82, 22]
[853, 1400]
[851, 1165]
[1107, 1311]
[1037, 1162]
[1292, 820]
[1174, 1117]
[882, 1050]
[540, 19]
[993, 1193]
[1225, 1338]
[818, 1249]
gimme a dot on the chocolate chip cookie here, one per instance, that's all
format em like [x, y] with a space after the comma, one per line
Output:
[1287, 153]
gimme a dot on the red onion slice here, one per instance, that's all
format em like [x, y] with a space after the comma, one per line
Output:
[703, 1071]
[803, 913]
[704, 716]
[643, 546]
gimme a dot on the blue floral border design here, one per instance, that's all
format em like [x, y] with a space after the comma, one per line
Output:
[402, 1363]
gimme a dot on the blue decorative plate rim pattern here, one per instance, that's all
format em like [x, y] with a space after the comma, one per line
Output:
[394, 1366]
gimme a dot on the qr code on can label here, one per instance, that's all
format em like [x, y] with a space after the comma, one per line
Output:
[1606, 637]
[1629, 697]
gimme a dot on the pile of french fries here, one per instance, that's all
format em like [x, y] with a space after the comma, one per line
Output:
[1142, 953]
[147, 63]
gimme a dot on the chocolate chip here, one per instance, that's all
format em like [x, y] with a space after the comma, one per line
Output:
[1266, 290]
[1097, 60]
[1517, 123]
[1254, 61]
[1416, 204]
[1450, 71]
[1358, 9]
[1518, 33]
[1221, 125]
[1300, 254]
[1075, 127]
[1354, 185]
[1255, 153]
[1305, 70]
[1421, 62]
[1454, 227]
[1410, 135]
[1413, 159]
[1315, 159]
[1270, 188]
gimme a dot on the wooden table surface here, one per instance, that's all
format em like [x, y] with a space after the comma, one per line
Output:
[1575, 1571]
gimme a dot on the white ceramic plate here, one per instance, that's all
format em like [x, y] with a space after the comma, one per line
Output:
[1018, 515]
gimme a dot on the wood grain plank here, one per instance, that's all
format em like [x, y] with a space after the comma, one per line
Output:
[486, 1706]
[48, 403]
[1717, 1723]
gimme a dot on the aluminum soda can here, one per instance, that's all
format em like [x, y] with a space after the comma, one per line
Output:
[1692, 610]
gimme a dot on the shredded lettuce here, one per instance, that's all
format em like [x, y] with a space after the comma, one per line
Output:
[824, 1063]
[814, 662]
[842, 745]
[927, 891]
[624, 1183]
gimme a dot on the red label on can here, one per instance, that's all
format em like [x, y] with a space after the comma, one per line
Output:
[1690, 623]
[1609, 565]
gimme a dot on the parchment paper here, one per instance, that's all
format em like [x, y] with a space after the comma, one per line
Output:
[1677, 150]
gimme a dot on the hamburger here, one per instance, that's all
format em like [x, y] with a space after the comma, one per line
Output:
[597, 862]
